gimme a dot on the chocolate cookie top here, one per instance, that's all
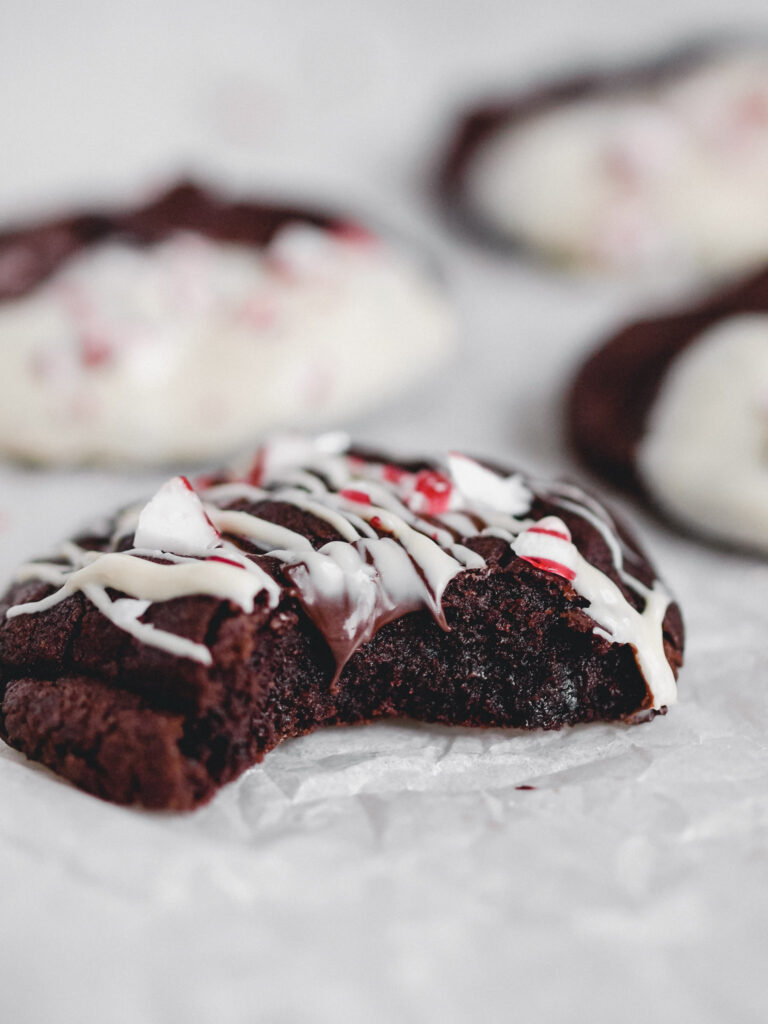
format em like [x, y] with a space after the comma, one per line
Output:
[179, 330]
[359, 540]
[661, 163]
[673, 407]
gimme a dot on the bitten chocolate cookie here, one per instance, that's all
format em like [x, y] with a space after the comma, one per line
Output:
[180, 330]
[661, 164]
[152, 661]
[676, 408]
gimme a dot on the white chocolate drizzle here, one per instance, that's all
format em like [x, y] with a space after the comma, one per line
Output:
[401, 535]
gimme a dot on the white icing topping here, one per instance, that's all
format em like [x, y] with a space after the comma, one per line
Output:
[674, 172]
[704, 455]
[191, 347]
[401, 547]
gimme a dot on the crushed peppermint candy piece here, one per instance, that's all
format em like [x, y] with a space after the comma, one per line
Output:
[431, 492]
[174, 520]
[95, 349]
[288, 451]
[393, 474]
[560, 531]
[477, 483]
[547, 546]
[549, 565]
[360, 497]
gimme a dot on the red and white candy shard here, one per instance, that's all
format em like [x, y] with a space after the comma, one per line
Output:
[547, 546]
[431, 494]
[478, 484]
[290, 451]
[357, 496]
[175, 521]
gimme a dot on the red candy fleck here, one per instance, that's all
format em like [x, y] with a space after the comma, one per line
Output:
[352, 495]
[280, 267]
[377, 524]
[354, 234]
[189, 487]
[259, 313]
[256, 473]
[752, 109]
[393, 474]
[434, 491]
[548, 565]
[623, 167]
[225, 561]
[94, 350]
[560, 534]
[204, 480]
[212, 525]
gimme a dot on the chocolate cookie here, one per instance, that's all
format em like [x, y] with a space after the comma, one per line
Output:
[154, 660]
[180, 330]
[676, 408]
[660, 164]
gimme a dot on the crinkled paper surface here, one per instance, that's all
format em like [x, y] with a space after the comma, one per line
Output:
[395, 872]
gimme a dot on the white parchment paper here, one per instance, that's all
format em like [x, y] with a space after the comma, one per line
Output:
[394, 872]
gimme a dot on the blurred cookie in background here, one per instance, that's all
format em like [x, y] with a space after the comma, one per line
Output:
[676, 408]
[663, 165]
[181, 330]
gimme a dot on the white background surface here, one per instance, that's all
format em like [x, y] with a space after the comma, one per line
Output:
[391, 872]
